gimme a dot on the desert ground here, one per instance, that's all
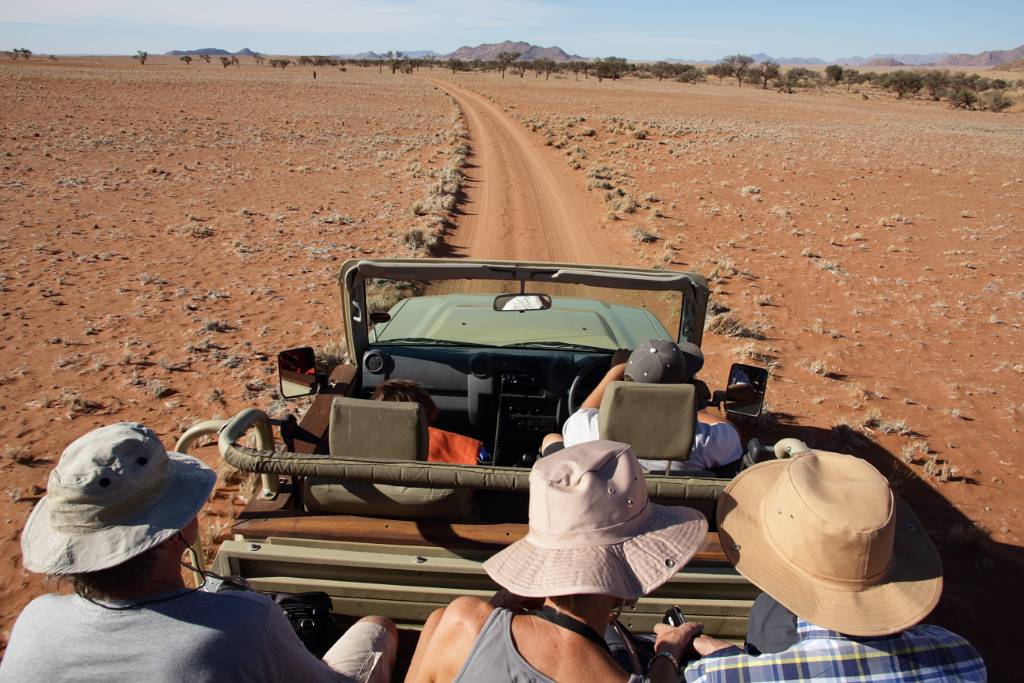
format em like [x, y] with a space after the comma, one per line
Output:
[166, 229]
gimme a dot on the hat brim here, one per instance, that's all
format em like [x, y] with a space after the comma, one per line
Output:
[625, 570]
[48, 551]
[909, 591]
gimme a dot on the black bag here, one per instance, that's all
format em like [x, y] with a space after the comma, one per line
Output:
[311, 618]
[308, 613]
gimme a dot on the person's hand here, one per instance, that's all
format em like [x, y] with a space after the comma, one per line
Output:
[620, 356]
[676, 640]
[616, 372]
[705, 645]
[509, 600]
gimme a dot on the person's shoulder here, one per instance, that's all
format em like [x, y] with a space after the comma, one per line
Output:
[44, 606]
[468, 611]
[938, 634]
[242, 598]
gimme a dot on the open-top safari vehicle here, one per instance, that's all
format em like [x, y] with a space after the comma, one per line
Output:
[351, 507]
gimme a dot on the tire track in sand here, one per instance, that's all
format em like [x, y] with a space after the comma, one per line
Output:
[520, 203]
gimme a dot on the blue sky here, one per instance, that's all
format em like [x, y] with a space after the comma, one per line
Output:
[636, 30]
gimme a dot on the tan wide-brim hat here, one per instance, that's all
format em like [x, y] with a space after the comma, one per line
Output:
[594, 531]
[115, 493]
[823, 534]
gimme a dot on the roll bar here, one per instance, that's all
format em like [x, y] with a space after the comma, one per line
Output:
[412, 473]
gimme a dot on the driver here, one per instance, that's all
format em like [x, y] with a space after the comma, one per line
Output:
[659, 361]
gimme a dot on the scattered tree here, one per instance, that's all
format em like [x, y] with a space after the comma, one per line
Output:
[205, 57]
[456, 65]
[12, 54]
[259, 58]
[225, 62]
[720, 71]
[142, 56]
[186, 59]
[834, 72]
[610, 67]
[504, 59]
[766, 71]
[738, 65]
[850, 76]
[24, 52]
[520, 68]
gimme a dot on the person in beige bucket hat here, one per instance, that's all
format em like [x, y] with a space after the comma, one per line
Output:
[594, 542]
[825, 538]
[119, 513]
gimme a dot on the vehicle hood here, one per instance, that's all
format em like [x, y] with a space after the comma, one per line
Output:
[471, 318]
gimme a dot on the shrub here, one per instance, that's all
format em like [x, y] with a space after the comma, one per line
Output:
[962, 98]
[834, 72]
[904, 82]
[995, 100]
[643, 236]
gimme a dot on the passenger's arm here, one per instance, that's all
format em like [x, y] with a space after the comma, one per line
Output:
[614, 374]
[675, 641]
[710, 417]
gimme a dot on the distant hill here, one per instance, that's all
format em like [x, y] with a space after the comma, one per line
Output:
[908, 60]
[412, 54]
[527, 52]
[987, 58]
[761, 57]
[201, 51]
[1017, 65]
[883, 61]
[245, 52]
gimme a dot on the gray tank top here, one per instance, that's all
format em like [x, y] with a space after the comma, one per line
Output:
[494, 656]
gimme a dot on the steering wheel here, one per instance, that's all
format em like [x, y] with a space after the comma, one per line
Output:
[585, 377]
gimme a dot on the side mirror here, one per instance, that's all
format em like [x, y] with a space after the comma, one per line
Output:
[296, 369]
[744, 392]
[380, 317]
[522, 302]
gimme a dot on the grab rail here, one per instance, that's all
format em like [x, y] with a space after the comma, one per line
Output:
[415, 473]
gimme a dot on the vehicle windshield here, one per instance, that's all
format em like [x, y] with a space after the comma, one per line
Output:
[458, 312]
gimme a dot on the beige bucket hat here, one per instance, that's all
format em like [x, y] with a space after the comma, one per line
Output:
[593, 530]
[115, 493]
[823, 534]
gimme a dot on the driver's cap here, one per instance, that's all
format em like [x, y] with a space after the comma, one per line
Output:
[660, 361]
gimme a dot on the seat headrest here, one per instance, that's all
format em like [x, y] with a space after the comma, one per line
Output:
[657, 420]
[378, 430]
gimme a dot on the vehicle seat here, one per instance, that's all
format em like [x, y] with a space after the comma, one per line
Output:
[658, 420]
[382, 430]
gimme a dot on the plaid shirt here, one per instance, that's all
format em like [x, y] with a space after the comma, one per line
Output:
[922, 653]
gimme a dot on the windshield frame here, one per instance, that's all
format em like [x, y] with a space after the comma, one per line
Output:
[355, 273]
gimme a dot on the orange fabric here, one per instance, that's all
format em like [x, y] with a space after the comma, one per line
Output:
[452, 448]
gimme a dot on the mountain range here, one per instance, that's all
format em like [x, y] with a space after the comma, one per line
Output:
[529, 52]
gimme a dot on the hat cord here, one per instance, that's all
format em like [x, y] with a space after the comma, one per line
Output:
[154, 601]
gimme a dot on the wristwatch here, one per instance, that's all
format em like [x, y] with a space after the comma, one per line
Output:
[667, 655]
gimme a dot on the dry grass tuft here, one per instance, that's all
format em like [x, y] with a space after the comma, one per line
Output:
[729, 325]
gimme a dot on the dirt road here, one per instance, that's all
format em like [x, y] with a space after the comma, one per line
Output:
[520, 203]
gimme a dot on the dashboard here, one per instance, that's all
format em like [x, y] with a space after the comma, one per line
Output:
[507, 398]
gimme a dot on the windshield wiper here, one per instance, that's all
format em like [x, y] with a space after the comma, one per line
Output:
[427, 341]
[555, 345]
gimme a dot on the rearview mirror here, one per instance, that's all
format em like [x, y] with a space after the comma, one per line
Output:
[744, 392]
[296, 369]
[522, 302]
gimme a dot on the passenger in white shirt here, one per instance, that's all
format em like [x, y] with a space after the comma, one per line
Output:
[715, 443]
